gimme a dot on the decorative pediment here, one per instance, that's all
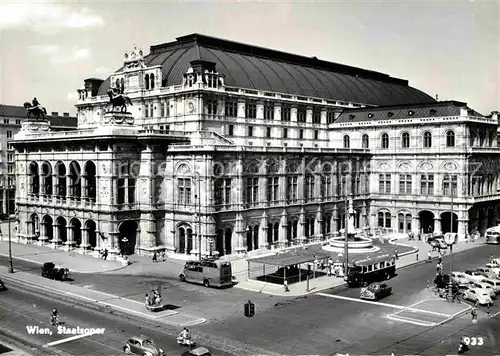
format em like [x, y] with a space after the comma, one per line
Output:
[134, 59]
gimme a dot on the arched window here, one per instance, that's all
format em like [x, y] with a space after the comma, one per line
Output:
[122, 85]
[152, 80]
[365, 141]
[146, 81]
[405, 140]
[118, 85]
[385, 140]
[347, 141]
[427, 139]
[450, 139]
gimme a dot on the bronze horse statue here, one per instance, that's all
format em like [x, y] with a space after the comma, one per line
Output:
[118, 100]
[38, 111]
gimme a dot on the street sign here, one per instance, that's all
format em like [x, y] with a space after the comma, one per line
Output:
[450, 238]
[210, 240]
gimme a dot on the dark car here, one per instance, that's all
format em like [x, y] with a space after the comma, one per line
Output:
[442, 281]
[2, 286]
[199, 351]
[49, 270]
[375, 291]
[142, 345]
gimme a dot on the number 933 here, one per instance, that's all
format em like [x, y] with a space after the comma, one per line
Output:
[474, 341]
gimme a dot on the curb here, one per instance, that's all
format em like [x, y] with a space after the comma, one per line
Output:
[71, 270]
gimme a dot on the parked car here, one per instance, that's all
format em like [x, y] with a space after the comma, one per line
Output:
[473, 276]
[442, 282]
[143, 346]
[375, 291]
[495, 261]
[485, 271]
[49, 270]
[2, 286]
[486, 287]
[460, 278]
[494, 283]
[494, 268]
[477, 295]
[199, 351]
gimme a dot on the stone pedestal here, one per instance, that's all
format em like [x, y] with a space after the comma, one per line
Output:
[32, 126]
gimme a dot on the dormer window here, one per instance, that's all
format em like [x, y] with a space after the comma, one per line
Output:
[351, 116]
[370, 115]
[212, 81]
[390, 114]
[146, 81]
[432, 111]
[152, 81]
[190, 81]
[410, 113]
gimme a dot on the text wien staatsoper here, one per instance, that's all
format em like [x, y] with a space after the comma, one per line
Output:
[63, 330]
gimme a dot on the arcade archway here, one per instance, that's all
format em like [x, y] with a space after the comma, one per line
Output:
[446, 222]
[426, 219]
[127, 237]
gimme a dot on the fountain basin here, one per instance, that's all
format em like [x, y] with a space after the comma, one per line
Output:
[358, 244]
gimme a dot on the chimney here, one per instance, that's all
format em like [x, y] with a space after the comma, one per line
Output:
[464, 111]
[495, 116]
[54, 113]
[66, 114]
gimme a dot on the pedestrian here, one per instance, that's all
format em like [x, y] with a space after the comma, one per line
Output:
[154, 257]
[429, 257]
[163, 258]
[396, 253]
[491, 258]
[105, 254]
[488, 310]
[285, 285]
[419, 236]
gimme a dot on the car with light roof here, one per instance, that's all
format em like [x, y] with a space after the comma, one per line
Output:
[485, 271]
[460, 278]
[494, 283]
[473, 276]
[142, 345]
[199, 351]
[375, 291]
[494, 268]
[485, 286]
[477, 295]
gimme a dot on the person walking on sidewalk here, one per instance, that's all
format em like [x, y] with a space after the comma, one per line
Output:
[429, 257]
[154, 257]
[285, 285]
[396, 253]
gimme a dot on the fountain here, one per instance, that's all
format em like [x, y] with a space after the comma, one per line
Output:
[356, 243]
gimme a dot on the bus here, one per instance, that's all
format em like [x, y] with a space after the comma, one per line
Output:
[208, 272]
[493, 235]
[372, 269]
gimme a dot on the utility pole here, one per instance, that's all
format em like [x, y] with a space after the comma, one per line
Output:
[11, 268]
[197, 201]
[450, 291]
[346, 247]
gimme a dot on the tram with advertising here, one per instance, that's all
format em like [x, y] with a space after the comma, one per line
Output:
[372, 269]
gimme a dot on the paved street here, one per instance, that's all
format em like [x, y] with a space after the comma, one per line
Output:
[20, 308]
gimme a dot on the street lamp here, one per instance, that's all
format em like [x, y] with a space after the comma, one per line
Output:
[450, 239]
[197, 197]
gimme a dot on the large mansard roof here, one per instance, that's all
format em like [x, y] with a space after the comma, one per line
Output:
[264, 69]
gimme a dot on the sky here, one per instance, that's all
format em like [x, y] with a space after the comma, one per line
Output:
[446, 48]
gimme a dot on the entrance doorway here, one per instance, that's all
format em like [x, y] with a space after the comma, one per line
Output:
[446, 222]
[128, 237]
[426, 221]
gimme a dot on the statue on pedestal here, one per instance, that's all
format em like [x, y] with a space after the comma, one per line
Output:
[36, 109]
[118, 100]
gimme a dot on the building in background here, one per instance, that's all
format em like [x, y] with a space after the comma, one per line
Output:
[11, 117]
[232, 148]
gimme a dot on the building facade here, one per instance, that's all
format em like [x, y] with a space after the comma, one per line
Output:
[231, 148]
[11, 118]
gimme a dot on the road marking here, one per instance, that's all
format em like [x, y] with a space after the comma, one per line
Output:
[382, 304]
[76, 337]
[409, 320]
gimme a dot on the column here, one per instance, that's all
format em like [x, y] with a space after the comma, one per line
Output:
[415, 226]
[43, 232]
[240, 233]
[4, 200]
[317, 224]
[263, 231]
[69, 234]
[85, 238]
[55, 187]
[300, 225]
[84, 184]
[282, 230]
[55, 231]
[437, 225]
[69, 189]
[462, 230]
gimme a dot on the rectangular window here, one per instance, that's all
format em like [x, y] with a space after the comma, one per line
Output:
[316, 134]
[10, 169]
[268, 132]
[10, 147]
[212, 107]
[326, 183]
[309, 193]
[231, 108]
[9, 134]
[286, 112]
[230, 130]
[268, 112]
[384, 181]
[120, 199]
[285, 133]
[301, 114]
[330, 116]
[131, 190]
[250, 131]
[291, 192]
[450, 180]
[5, 121]
[272, 188]
[251, 110]
[405, 184]
[223, 191]
[162, 109]
[427, 184]
[10, 157]
[184, 190]
[316, 116]
[301, 134]
[18, 122]
[252, 190]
